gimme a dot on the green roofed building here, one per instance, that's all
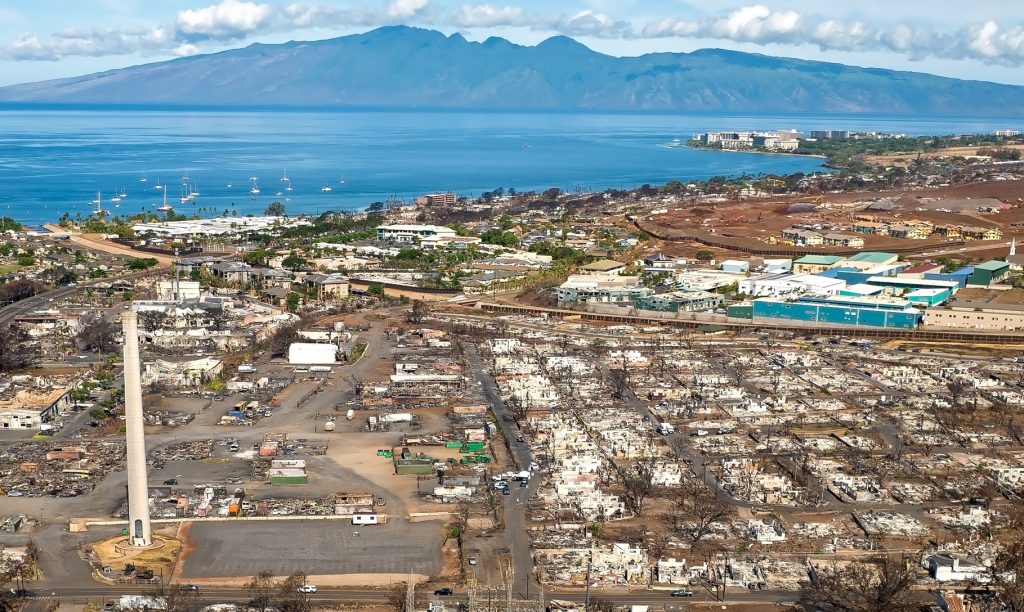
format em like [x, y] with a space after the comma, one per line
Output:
[988, 272]
[811, 264]
[870, 259]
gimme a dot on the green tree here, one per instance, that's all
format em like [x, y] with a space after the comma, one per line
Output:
[141, 263]
[500, 238]
[294, 261]
[704, 255]
[9, 224]
[375, 289]
[258, 257]
[26, 260]
[274, 209]
[293, 300]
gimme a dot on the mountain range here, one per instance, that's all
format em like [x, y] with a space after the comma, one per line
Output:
[400, 66]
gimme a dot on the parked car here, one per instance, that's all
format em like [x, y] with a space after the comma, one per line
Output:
[472, 560]
[444, 591]
[190, 587]
[681, 593]
[171, 481]
[307, 588]
[506, 491]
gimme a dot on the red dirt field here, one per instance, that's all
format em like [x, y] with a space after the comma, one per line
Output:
[757, 224]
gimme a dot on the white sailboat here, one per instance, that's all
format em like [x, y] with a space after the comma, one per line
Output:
[98, 205]
[143, 178]
[166, 208]
[284, 176]
[186, 194]
[326, 188]
[289, 187]
[158, 185]
[255, 187]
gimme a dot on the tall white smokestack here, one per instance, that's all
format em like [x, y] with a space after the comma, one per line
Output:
[138, 489]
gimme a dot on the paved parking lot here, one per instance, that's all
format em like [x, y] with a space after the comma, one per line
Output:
[244, 548]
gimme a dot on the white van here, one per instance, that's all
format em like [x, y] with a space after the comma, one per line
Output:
[364, 519]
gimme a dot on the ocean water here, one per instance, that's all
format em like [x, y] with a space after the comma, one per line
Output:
[55, 160]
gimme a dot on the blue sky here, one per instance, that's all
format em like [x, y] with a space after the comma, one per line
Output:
[977, 39]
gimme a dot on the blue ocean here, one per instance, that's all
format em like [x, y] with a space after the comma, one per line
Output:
[56, 160]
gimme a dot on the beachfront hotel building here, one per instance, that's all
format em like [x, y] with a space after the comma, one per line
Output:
[412, 233]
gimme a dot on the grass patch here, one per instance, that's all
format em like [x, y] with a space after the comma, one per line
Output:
[357, 353]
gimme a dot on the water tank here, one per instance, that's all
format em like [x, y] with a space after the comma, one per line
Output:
[329, 426]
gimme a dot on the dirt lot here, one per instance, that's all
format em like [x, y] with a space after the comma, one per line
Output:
[905, 159]
[751, 224]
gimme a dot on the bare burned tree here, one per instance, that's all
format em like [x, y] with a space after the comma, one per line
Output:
[397, 598]
[884, 586]
[358, 384]
[619, 381]
[283, 338]
[176, 597]
[636, 484]
[98, 334]
[956, 392]
[699, 508]
[153, 319]
[290, 597]
[17, 350]
[261, 590]
[417, 312]
[1007, 574]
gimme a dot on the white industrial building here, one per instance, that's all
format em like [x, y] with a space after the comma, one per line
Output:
[30, 409]
[308, 353]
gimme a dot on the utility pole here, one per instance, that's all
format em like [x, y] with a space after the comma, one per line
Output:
[590, 564]
[410, 595]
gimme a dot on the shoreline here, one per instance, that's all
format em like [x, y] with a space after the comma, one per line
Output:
[762, 152]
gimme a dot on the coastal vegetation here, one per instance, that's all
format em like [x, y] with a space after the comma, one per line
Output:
[852, 154]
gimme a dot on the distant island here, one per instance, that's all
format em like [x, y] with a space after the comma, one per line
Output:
[403, 67]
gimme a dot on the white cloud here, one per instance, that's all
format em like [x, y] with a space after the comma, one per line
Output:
[93, 43]
[583, 23]
[406, 9]
[758, 24]
[231, 19]
[488, 16]
[186, 49]
[590, 23]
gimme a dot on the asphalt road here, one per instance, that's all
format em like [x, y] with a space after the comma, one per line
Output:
[36, 302]
[514, 537]
[210, 595]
